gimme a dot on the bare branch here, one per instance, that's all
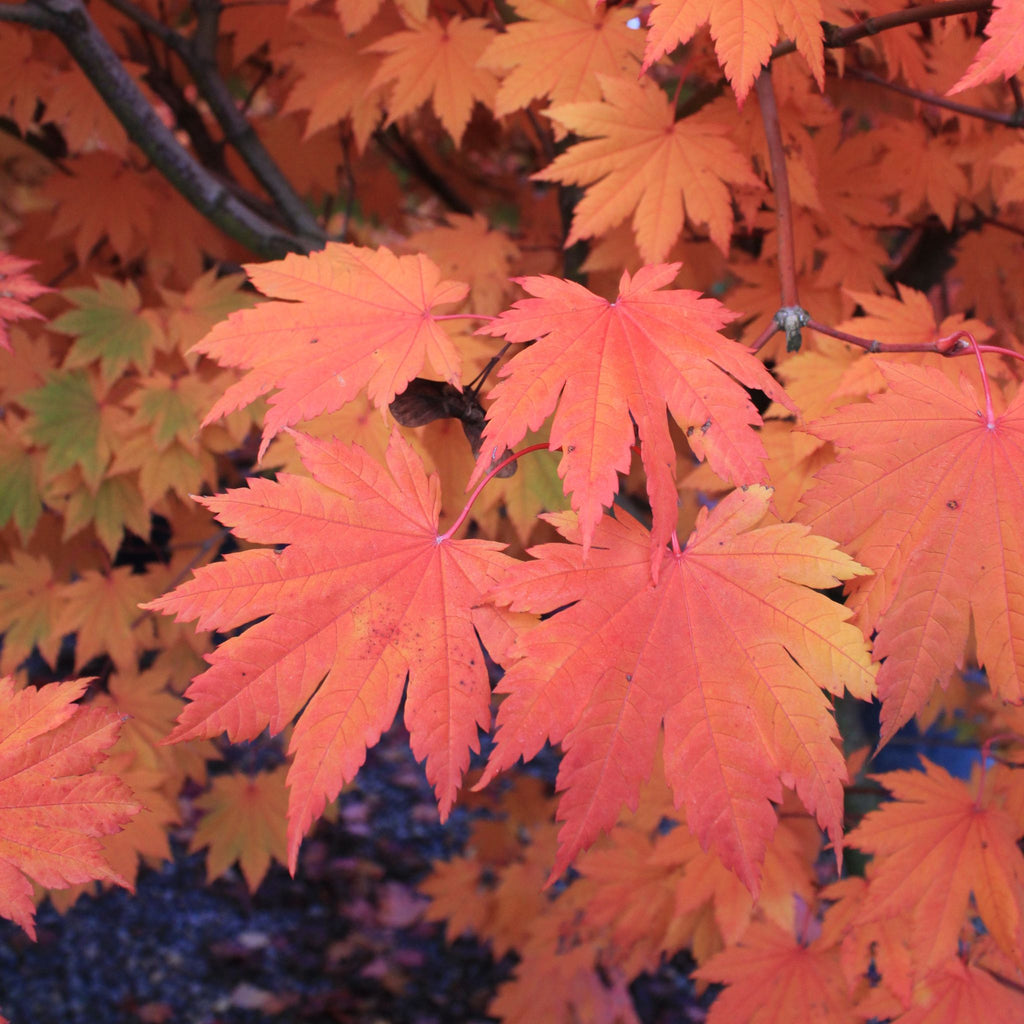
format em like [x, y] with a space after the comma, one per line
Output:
[1014, 120]
[199, 57]
[836, 38]
[69, 20]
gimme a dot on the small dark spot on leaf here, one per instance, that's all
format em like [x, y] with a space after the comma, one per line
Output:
[313, 341]
[952, 504]
[689, 431]
[705, 426]
[629, 677]
[570, 449]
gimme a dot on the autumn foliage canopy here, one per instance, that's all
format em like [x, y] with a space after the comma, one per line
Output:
[642, 379]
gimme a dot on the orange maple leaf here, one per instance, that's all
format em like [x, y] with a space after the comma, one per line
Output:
[936, 844]
[729, 649]
[437, 62]
[333, 70]
[608, 365]
[468, 249]
[56, 805]
[558, 49]
[772, 977]
[1002, 53]
[959, 991]
[744, 32]
[639, 159]
[353, 318]
[365, 593]
[16, 290]
[928, 496]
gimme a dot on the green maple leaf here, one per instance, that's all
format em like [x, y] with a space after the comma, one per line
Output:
[109, 325]
[72, 421]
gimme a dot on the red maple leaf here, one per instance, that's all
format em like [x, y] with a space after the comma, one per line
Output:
[16, 290]
[612, 368]
[55, 803]
[729, 649]
[365, 594]
[928, 496]
[1002, 53]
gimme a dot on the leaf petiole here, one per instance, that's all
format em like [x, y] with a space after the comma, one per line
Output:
[495, 469]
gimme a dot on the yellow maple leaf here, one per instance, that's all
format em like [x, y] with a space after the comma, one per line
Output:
[639, 159]
[468, 249]
[244, 821]
[30, 603]
[103, 609]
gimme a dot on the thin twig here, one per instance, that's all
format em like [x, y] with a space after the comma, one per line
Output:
[780, 180]
[404, 152]
[836, 38]
[1014, 120]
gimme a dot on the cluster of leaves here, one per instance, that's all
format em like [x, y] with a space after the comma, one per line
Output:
[409, 169]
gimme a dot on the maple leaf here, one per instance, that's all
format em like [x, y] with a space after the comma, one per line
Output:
[730, 649]
[20, 497]
[110, 326]
[744, 32]
[608, 365]
[115, 506]
[959, 992]
[102, 609]
[927, 495]
[437, 62]
[771, 976]
[190, 315]
[30, 605]
[56, 804]
[244, 821]
[149, 710]
[468, 249]
[74, 418]
[17, 289]
[936, 844]
[333, 70]
[127, 224]
[558, 50]
[1002, 53]
[639, 159]
[365, 593]
[145, 836]
[353, 318]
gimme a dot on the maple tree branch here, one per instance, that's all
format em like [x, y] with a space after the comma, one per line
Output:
[199, 57]
[872, 345]
[837, 38]
[959, 343]
[1014, 120]
[70, 22]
